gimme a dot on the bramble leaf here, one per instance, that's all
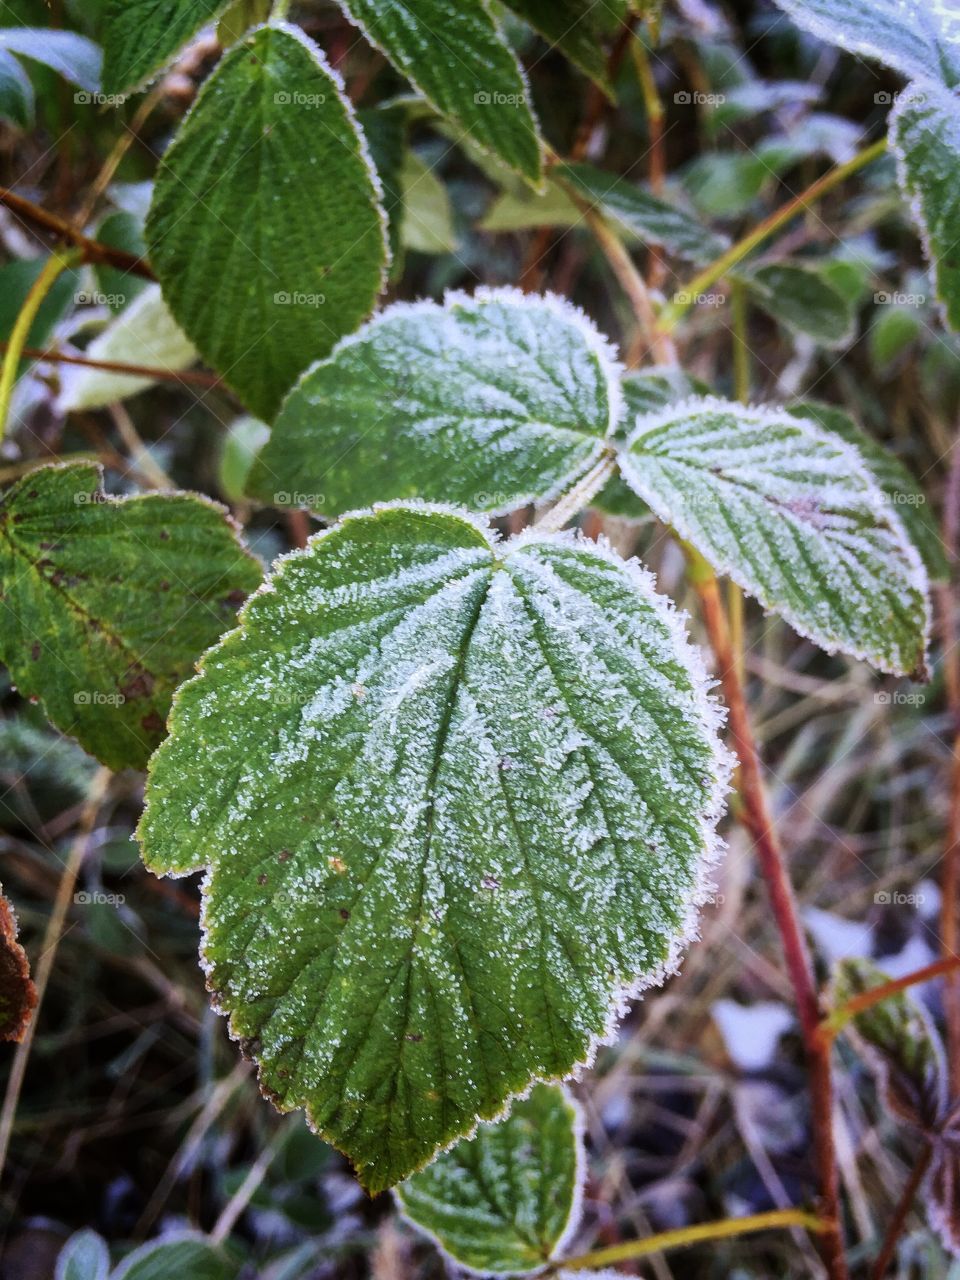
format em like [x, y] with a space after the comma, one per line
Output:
[84, 1257]
[454, 53]
[803, 299]
[492, 401]
[644, 215]
[575, 29]
[507, 1199]
[185, 1253]
[792, 515]
[456, 797]
[71, 55]
[925, 133]
[910, 35]
[262, 284]
[141, 36]
[18, 995]
[901, 488]
[144, 333]
[899, 1040]
[108, 602]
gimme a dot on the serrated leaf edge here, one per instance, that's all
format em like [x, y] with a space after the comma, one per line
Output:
[917, 574]
[539, 183]
[572, 1224]
[712, 716]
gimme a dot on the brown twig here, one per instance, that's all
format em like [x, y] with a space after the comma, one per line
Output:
[758, 820]
[195, 379]
[898, 1222]
[61, 229]
[840, 1016]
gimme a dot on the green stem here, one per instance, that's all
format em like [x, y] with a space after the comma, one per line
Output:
[280, 10]
[580, 496]
[722, 1230]
[58, 262]
[671, 316]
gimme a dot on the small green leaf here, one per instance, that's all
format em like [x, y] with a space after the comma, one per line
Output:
[16, 280]
[238, 17]
[187, 1255]
[107, 603]
[925, 133]
[492, 401]
[146, 334]
[385, 129]
[83, 1257]
[427, 225]
[121, 230]
[900, 1042]
[507, 1199]
[141, 36]
[792, 515]
[454, 53]
[243, 441]
[457, 797]
[575, 29]
[72, 56]
[644, 215]
[524, 209]
[17, 99]
[902, 490]
[266, 230]
[892, 334]
[803, 299]
[910, 35]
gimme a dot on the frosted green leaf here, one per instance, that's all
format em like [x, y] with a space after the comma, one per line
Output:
[914, 36]
[107, 603]
[642, 214]
[244, 439]
[793, 516]
[455, 54]
[492, 400]
[925, 133]
[144, 334]
[803, 299]
[456, 798]
[266, 230]
[643, 392]
[507, 1199]
[575, 29]
[898, 1039]
[72, 56]
[141, 36]
[897, 483]
[187, 1254]
[83, 1257]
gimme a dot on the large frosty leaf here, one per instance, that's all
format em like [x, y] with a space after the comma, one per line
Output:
[107, 603]
[794, 517]
[914, 36]
[925, 132]
[453, 52]
[803, 299]
[642, 214]
[901, 489]
[145, 334]
[491, 401]
[899, 1040]
[455, 797]
[141, 36]
[506, 1200]
[265, 282]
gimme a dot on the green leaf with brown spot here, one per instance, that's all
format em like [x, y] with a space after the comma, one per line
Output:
[107, 603]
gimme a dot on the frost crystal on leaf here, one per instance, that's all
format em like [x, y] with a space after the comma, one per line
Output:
[507, 1199]
[792, 514]
[457, 799]
[492, 400]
